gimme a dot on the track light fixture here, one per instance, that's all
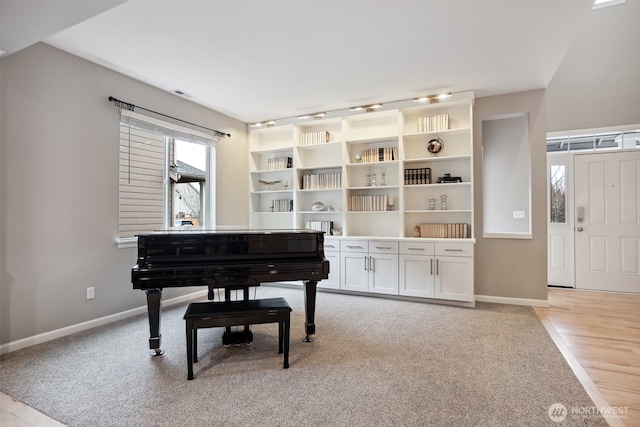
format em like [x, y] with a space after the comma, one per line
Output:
[314, 115]
[432, 98]
[265, 123]
[368, 108]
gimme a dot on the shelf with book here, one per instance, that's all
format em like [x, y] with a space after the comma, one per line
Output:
[320, 178]
[444, 116]
[318, 133]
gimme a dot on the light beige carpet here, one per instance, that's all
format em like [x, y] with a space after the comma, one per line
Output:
[374, 362]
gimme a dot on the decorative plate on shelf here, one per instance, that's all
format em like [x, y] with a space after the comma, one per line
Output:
[435, 146]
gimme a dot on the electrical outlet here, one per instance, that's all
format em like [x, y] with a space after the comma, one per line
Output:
[91, 292]
[518, 214]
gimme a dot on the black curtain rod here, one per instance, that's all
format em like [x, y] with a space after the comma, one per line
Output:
[131, 107]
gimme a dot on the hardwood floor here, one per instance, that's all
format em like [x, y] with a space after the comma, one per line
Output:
[598, 333]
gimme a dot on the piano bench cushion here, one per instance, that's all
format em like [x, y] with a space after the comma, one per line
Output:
[233, 313]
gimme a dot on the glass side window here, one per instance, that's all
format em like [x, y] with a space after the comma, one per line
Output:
[558, 194]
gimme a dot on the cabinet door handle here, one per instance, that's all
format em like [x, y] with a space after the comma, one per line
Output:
[355, 247]
[366, 262]
[453, 250]
[383, 247]
[416, 249]
[330, 246]
[431, 266]
[372, 264]
[437, 267]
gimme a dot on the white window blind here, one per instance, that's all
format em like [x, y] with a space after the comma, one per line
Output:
[143, 171]
[142, 158]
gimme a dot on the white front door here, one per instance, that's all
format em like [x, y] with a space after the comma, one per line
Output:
[607, 221]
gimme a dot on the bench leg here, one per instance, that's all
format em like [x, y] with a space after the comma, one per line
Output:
[195, 345]
[189, 351]
[287, 325]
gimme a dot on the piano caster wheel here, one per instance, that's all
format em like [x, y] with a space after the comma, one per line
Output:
[155, 352]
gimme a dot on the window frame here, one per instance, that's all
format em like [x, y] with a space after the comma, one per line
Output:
[170, 132]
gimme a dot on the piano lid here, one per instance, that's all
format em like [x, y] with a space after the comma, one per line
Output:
[232, 229]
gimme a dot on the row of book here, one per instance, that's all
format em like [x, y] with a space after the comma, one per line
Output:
[281, 162]
[282, 205]
[322, 181]
[434, 230]
[325, 226]
[385, 154]
[417, 176]
[433, 123]
[312, 138]
[380, 202]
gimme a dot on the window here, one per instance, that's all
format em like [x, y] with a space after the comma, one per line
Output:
[165, 176]
[618, 140]
[558, 194]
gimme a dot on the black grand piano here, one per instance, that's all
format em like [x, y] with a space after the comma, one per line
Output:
[229, 258]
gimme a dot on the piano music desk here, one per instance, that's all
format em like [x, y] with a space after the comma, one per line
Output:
[233, 313]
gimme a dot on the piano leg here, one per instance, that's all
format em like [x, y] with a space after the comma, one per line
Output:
[310, 287]
[153, 308]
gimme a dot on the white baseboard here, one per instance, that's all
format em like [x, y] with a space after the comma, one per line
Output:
[513, 301]
[68, 330]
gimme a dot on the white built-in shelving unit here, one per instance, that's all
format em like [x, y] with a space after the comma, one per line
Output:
[338, 161]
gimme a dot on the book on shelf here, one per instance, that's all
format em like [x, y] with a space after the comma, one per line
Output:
[433, 123]
[414, 176]
[322, 181]
[383, 154]
[313, 138]
[280, 162]
[282, 205]
[443, 230]
[373, 202]
[325, 226]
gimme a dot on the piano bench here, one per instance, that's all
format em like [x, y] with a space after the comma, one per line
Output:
[234, 313]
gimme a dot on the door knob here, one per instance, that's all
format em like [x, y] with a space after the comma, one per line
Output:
[580, 229]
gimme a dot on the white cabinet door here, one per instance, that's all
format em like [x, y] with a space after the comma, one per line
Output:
[354, 275]
[333, 281]
[383, 273]
[417, 275]
[454, 278]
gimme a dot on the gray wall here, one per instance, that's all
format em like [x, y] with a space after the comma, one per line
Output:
[513, 268]
[59, 188]
[598, 83]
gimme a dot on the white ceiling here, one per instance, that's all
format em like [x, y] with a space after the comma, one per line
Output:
[258, 60]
